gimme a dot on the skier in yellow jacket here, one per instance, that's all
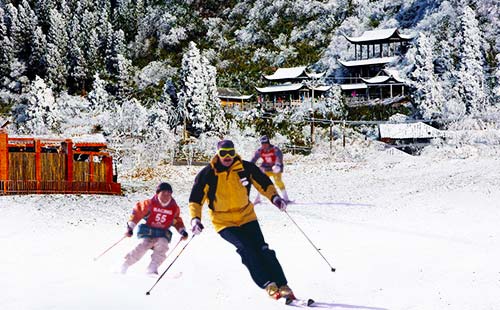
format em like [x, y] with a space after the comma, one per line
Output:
[224, 185]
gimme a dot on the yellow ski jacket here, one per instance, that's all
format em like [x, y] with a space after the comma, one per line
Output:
[226, 190]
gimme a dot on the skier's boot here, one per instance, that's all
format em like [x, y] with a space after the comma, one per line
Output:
[286, 292]
[123, 268]
[272, 290]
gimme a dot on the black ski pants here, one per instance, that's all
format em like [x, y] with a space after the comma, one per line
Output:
[255, 254]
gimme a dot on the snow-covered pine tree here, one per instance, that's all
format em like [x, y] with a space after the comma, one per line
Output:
[118, 66]
[75, 56]
[14, 31]
[470, 76]
[98, 97]
[215, 115]
[6, 51]
[90, 41]
[27, 23]
[37, 114]
[428, 94]
[193, 96]
[496, 87]
[37, 60]
[42, 10]
[159, 136]
[57, 47]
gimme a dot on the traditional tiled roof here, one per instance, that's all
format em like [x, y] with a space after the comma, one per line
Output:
[280, 88]
[379, 35]
[293, 73]
[286, 73]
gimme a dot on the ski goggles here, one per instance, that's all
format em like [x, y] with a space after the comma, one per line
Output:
[226, 152]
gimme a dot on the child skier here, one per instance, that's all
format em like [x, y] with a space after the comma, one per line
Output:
[159, 213]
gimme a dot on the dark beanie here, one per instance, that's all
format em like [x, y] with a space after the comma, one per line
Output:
[228, 144]
[164, 186]
[264, 139]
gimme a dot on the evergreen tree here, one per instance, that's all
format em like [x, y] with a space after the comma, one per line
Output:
[38, 114]
[57, 51]
[428, 94]
[193, 97]
[6, 49]
[13, 25]
[470, 76]
[215, 115]
[99, 99]
[118, 67]
[27, 23]
[42, 9]
[37, 60]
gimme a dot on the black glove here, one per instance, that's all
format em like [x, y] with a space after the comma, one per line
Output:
[279, 203]
[184, 234]
[130, 230]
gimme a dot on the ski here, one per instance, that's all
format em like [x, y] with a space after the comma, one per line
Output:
[293, 301]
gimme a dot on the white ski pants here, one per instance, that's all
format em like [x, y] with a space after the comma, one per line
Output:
[159, 247]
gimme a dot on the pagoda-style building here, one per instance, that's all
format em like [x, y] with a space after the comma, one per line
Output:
[368, 81]
[290, 87]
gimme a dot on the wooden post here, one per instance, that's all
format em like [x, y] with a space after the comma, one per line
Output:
[69, 160]
[91, 168]
[38, 164]
[108, 162]
[4, 158]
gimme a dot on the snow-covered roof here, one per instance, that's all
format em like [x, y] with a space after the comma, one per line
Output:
[90, 138]
[367, 62]
[293, 73]
[279, 88]
[408, 131]
[316, 75]
[286, 73]
[321, 87]
[394, 74]
[353, 86]
[379, 35]
[242, 97]
[231, 93]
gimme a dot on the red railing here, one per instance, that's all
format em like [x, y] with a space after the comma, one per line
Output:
[58, 187]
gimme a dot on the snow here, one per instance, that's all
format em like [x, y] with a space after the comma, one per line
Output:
[367, 62]
[409, 131]
[403, 232]
[378, 34]
[286, 73]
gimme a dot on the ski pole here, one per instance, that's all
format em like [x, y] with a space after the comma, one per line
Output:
[331, 268]
[161, 276]
[105, 251]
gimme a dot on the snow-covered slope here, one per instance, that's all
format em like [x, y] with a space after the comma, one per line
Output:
[403, 232]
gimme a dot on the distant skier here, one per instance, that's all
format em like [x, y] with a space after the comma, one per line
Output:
[225, 185]
[159, 213]
[272, 165]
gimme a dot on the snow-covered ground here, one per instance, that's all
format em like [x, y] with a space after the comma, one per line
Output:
[403, 233]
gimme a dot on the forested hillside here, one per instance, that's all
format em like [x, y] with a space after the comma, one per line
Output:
[95, 57]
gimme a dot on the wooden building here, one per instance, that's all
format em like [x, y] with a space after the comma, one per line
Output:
[290, 87]
[368, 81]
[35, 165]
[230, 97]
